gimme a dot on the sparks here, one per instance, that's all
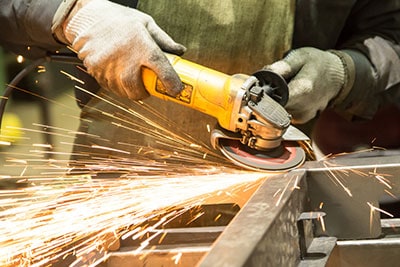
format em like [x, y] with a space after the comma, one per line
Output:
[61, 214]
[373, 209]
[337, 180]
[283, 192]
[74, 212]
[177, 257]
[322, 221]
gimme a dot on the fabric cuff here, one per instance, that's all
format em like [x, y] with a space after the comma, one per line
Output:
[59, 17]
[87, 16]
[349, 76]
[357, 101]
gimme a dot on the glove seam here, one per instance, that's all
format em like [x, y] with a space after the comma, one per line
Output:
[60, 16]
[349, 77]
[85, 17]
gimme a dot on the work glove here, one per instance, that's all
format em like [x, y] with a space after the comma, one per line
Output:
[316, 79]
[116, 42]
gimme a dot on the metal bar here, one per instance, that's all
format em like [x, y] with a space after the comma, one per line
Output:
[306, 217]
[319, 252]
[391, 226]
[371, 252]
[161, 256]
[264, 232]
[189, 235]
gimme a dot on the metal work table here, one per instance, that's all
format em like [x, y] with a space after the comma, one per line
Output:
[326, 213]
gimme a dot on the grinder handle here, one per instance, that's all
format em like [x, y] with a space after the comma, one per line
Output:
[206, 90]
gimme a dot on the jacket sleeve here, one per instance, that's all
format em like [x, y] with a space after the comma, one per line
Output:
[26, 26]
[371, 36]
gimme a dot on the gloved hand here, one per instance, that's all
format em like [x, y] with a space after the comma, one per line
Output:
[315, 78]
[116, 42]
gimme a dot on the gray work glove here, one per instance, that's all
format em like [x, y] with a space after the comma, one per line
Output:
[316, 78]
[116, 42]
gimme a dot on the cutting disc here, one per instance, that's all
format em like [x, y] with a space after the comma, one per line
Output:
[285, 157]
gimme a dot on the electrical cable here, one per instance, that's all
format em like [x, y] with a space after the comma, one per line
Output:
[59, 57]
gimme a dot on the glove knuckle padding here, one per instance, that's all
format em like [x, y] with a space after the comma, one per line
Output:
[281, 67]
[296, 59]
[319, 76]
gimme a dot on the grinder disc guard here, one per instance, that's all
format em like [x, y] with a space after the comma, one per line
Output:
[283, 158]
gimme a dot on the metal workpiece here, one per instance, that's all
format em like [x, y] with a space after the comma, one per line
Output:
[349, 190]
[264, 231]
[327, 213]
[369, 252]
[319, 252]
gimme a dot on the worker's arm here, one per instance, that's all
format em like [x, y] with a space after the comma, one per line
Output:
[355, 75]
[371, 37]
[113, 41]
[26, 26]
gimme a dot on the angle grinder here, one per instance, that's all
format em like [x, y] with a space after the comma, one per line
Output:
[253, 129]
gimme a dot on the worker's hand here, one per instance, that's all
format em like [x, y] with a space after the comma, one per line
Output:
[116, 42]
[315, 78]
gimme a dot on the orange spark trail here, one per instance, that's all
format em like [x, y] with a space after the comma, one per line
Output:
[51, 221]
[58, 214]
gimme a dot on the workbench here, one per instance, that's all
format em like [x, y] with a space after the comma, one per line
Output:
[326, 213]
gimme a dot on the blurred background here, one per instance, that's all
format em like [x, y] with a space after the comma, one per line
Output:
[45, 97]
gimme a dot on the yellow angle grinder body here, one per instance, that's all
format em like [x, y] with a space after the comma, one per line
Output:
[254, 130]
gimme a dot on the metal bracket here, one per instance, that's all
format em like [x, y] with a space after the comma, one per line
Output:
[305, 220]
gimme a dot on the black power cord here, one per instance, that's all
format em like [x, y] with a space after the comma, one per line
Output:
[68, 58]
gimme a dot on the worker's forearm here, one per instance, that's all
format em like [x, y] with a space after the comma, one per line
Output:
[372, 38]
[377, 70]
[27, 23]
